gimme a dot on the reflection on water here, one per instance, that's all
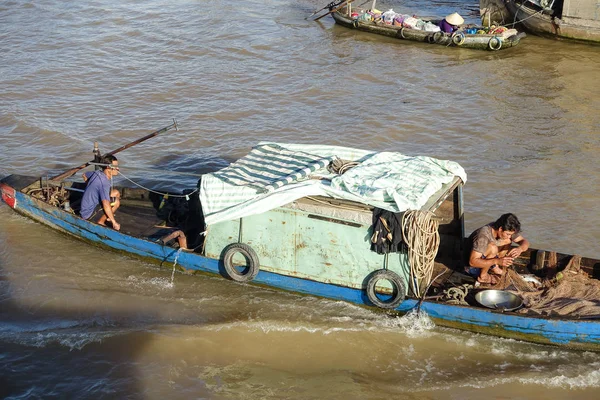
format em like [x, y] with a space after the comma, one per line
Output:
[78, 321]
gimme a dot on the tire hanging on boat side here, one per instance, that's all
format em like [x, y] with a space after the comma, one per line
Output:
[252, 267]
[458, 38]
[398, 289]
[401, 33]
[438, 36]
[495, 43]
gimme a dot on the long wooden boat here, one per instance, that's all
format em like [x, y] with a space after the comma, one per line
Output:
[459, 39]
[565, 19]
[284, 216]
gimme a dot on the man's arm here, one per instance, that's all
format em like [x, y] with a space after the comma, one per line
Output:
[85, 176]
[476, 260]
[109, 214]
[523, 246]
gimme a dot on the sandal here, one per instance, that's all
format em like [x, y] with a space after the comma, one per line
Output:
[496, 270]
[488, 280]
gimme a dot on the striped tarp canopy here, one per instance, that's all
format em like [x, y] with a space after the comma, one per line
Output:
[275, 174]
[269, 167]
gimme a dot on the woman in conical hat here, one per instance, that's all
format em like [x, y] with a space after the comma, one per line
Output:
[451, 23]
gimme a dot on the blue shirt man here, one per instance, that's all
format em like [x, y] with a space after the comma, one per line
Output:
[98, 192]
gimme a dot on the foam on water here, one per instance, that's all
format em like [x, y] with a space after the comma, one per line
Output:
[412, 325]
[159, 282]
[73, 334]
[590, 378]
[511, 117]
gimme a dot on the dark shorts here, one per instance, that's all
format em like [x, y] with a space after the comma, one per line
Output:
[94, 214]
[474, 272]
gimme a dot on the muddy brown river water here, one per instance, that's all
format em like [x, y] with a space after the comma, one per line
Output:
[80, 322]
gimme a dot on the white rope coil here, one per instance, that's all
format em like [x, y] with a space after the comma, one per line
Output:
[420, 233]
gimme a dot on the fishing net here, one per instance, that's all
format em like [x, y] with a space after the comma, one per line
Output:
[571, 292]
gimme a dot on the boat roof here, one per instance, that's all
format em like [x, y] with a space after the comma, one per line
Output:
[275, 174]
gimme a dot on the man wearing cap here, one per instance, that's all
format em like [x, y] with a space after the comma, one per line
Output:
[451, 23]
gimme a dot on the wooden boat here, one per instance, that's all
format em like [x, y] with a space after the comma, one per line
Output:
[566, 19]
[459, 39]
[307, 227]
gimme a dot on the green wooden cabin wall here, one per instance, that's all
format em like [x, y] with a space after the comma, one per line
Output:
[293, 242]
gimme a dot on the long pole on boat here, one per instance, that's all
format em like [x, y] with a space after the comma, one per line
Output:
[342, 5]
[316, 12]
[72, 171]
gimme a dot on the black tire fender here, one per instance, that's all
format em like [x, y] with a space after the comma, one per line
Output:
[398, 288]
[252, 263]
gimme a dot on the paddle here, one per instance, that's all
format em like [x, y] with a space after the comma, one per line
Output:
[342, 5]
[82, 166]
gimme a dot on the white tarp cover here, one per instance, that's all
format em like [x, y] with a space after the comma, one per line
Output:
[274, 174]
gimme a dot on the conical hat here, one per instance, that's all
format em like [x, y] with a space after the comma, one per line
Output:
[454, 19]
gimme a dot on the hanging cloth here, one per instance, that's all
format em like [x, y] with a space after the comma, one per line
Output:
[387, 231]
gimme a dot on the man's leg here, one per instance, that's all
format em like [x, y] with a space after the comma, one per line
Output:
[503, 250]
[494, 251]
[114, 206]
[179, 235]
[490, 253]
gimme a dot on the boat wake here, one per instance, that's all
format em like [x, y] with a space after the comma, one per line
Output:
[71, 334]
[162, 283]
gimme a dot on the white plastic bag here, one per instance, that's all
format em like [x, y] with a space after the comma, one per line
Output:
[388, 16]
[430, 27]
[410, 22]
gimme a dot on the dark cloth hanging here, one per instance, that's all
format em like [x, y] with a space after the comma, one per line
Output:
[387, 231]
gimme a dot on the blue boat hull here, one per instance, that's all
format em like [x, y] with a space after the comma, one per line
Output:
[577, 334]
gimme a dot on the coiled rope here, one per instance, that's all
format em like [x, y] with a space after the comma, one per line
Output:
[339, 166]
[420, 233]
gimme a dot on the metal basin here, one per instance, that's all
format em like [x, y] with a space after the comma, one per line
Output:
[499, 300]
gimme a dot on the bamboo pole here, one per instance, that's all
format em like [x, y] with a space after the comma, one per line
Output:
[72, 171]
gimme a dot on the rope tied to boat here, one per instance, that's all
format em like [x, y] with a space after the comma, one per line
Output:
[515, 22]
[420, 233]
[339, 166]
[186, 196]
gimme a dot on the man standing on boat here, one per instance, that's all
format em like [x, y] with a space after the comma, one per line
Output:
[98, 192]
[492, 248]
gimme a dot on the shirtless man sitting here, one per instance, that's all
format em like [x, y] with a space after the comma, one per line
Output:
[493, 248]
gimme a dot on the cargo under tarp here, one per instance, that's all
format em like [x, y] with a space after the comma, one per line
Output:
[274, 174]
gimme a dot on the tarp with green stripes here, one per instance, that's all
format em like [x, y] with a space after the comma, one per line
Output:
[274, 174]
